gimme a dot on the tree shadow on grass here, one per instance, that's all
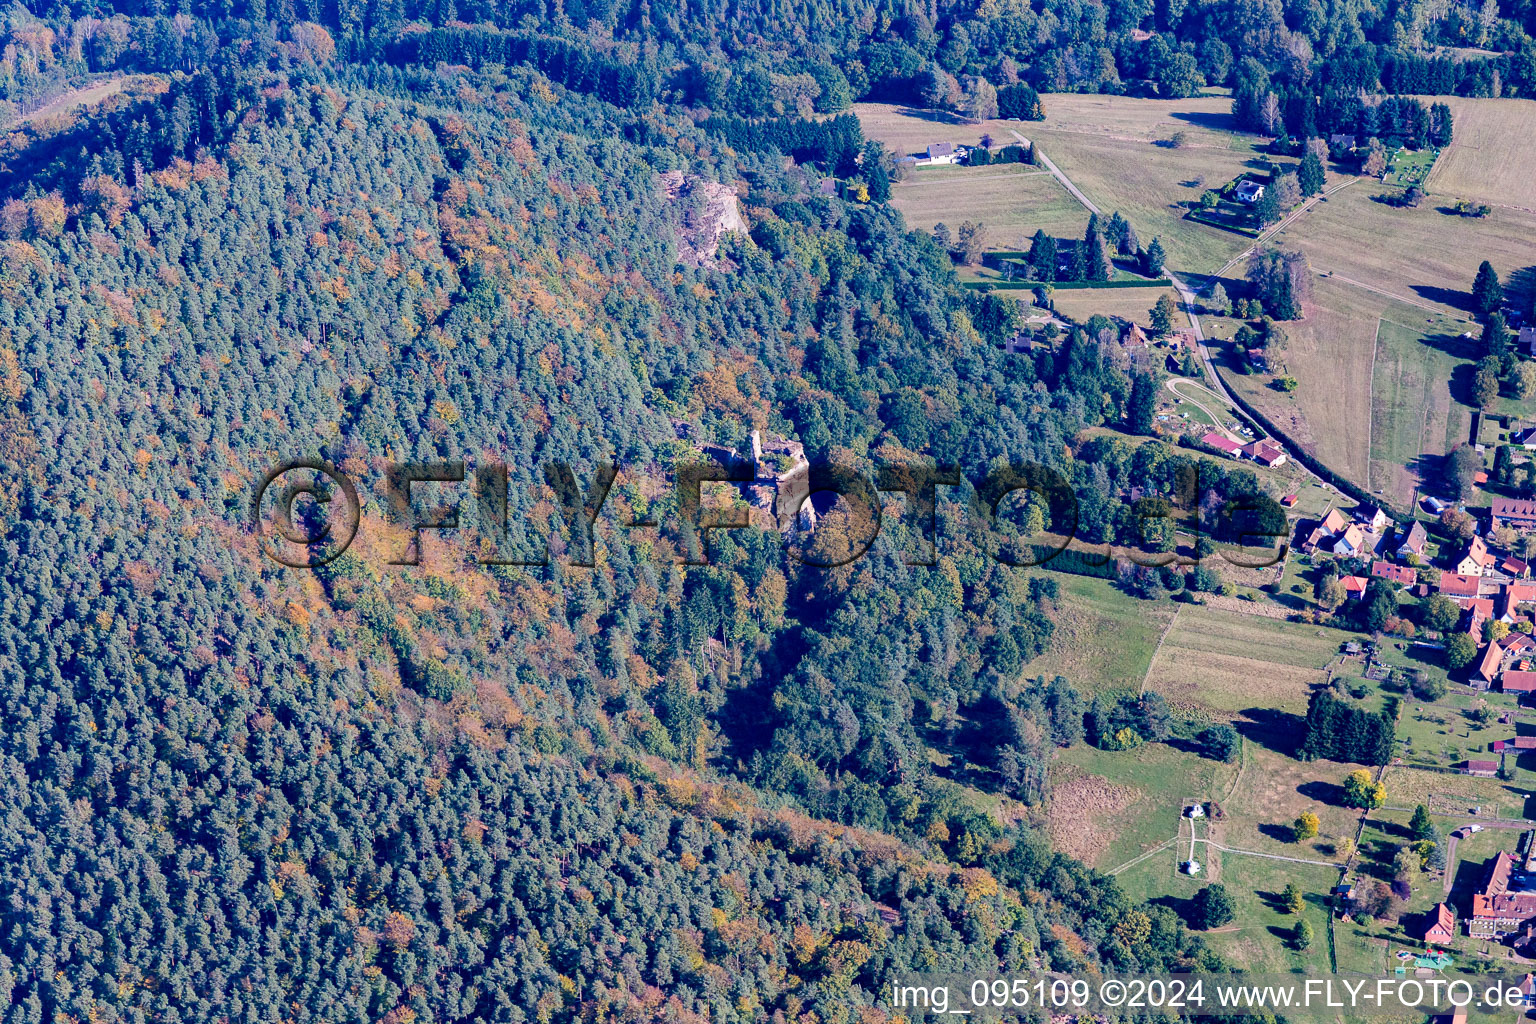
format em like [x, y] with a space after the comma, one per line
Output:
[1276, 730]
[1279, 833]
[938, 116]
[1214, 120]
[1330, 793]
[1453, 297]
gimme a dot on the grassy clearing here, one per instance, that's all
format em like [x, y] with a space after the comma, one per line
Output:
[1116, 149]
[1432, 259]
[1272, 793]
[1108, 807]
[1131, 304]
[1257, 939]
[1206, 121]
[1329, 353]
[1489, 158]
[1148, 183]
[1011, 201]
[1407, 786]
[1104, 638]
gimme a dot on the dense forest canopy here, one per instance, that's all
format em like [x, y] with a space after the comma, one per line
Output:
[374, 233]
[458, 791]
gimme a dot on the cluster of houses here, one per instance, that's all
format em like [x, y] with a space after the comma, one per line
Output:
[1263, 451]
[1503, 908]
[1367, 532]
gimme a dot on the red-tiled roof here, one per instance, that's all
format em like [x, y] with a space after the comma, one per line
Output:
[1493, 657]
[1516, 681]
[1222, 444]
[1454, 584]
[1396, 573]
[1354, 584]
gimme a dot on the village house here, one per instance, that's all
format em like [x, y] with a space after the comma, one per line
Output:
[1528, 340]
[1458, 587]
[1412, 543]
[1322, 535]
[1266, 453]
[1479, 611]
[1516, 567]
[942, 153]
[1372, 518]
[1516, 513]
[1396, 573]
[1354, 587]
[1477, 560]
[1249, 191]
[1440, 926]
[1351, 542]
[1518, 645]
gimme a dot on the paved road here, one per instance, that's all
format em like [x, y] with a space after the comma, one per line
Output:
[1187, 296]
[1172, 385]
[1049, 165]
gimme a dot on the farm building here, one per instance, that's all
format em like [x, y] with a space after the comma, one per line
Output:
[1482, 769]
[1266, 453]
[1223, 444]
[1491, 663]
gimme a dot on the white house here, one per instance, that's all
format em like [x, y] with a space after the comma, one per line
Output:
[940, 153]
[1249, 191]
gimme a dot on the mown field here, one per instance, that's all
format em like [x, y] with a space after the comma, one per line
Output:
[1116, 149]
[1489, 159]
[1225, 663]
[1131, 304]
[1416, 289]
[1257, 940]
[1110, 806]
[1012, 201]
[1418, 406]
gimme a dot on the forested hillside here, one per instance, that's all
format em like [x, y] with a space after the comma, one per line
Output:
[637, 791]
